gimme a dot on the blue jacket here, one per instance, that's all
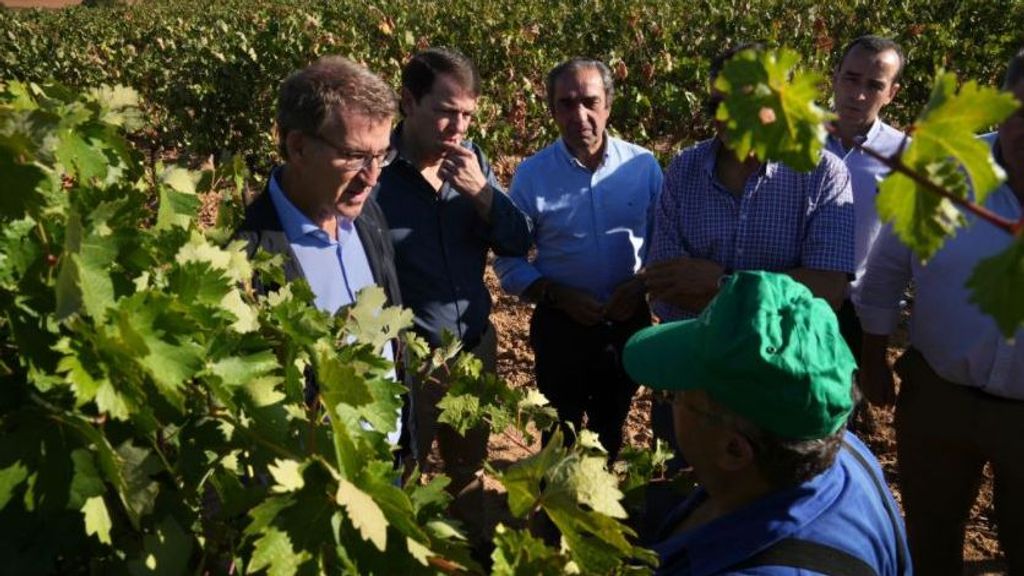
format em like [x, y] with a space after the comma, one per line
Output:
[848, 507]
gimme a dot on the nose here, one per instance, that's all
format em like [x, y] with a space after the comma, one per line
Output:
[370, 172]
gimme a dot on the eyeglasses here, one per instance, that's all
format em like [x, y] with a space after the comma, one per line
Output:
[354, 161]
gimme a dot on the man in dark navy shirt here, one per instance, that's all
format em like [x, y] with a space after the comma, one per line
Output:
[762, 392]
[446, 210]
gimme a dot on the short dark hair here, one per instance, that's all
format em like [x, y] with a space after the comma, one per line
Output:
[315, 95]
[874, 45]
[1014, 70]
[420, 72]
[782, 461]
[574, 65]
[718, 62]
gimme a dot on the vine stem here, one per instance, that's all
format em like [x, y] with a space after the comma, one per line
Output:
[895, 163]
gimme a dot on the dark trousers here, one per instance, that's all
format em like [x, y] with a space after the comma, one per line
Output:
[579, 369]
[945, 433]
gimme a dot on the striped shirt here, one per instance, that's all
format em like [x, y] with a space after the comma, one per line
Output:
[783, 220]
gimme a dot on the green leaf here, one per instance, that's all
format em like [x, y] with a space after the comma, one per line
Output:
[86, 483]
[371, 323]
[120, 106]
[29, 180]
[17, 251]
[84, 280]
[461, 412]
[140, 491]
[274, 552]
[944, 143]
[996, 285]
[165, 552]
[97, 519]
[770, 108]
[287, 475]
[80, 158]
[10, 478]
[364, 513]
[518, 553]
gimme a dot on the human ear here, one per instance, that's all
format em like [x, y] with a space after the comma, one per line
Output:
[736, 452]
[295, 145]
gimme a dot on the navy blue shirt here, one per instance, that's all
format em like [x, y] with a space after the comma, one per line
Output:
[441, 245]
[841, 507]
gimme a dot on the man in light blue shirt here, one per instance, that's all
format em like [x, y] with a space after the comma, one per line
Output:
[334, 123]
[589, 195]
[961, 396]
[866, 80]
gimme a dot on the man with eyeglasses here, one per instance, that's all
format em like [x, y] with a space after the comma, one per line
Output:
[333, 122]
[446, 211]
[762, 382]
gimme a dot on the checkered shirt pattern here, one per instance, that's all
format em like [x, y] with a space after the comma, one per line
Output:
[784, 219]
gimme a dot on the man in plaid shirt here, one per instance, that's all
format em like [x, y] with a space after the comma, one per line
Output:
[719, 213]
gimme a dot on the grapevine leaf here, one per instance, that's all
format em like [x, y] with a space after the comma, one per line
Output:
[461, 412]
[80, 158]
[235, 371]
[517, 552]
[84, 279]
[121, 106]
[97, 519]
[996, 285]
[10, 478]
[17, 251]
[110, 401]
[769, 109]
[373, 324]
[418, 551]
[166, 551]
[428, 499]
[28, 180]
[597, 487]
[287, 474]
[944, 143]
[82, 382]
[364, 513]
[230, 260]
[140, 491]
[274, 551]
[86, 483]
[523, 479]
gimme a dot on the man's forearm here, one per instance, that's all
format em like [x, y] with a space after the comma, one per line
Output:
[826, 284]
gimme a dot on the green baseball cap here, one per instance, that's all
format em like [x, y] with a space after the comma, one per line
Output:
[765, 348]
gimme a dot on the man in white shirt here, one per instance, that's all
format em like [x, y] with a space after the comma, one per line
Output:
[961, 401]
[866, 80]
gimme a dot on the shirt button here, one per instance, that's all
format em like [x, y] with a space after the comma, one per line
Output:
[743, 217]
[739, 251]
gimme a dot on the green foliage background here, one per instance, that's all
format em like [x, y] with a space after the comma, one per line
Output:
[209, 71]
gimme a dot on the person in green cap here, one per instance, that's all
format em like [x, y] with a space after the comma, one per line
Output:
[762, 386]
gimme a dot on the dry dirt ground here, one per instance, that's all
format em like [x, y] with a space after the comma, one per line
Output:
[515, 361]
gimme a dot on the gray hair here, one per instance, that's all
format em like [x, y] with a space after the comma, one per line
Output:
[783, 461]
[575, 65]
[313, 96]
